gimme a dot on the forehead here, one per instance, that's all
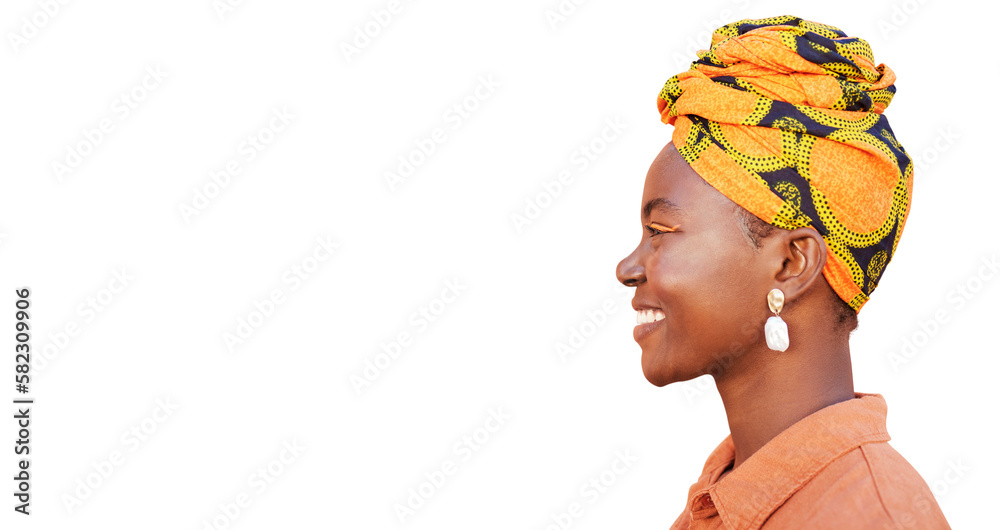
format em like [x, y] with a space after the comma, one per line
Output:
[673, 188]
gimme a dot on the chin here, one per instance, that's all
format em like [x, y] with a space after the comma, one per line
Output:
[660, 372]
[656, 373]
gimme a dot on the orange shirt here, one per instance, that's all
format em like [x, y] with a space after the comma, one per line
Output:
[831, 469]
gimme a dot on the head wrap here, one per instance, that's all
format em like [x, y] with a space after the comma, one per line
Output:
[784, 117]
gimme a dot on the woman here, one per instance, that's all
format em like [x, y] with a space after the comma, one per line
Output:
[768, 221]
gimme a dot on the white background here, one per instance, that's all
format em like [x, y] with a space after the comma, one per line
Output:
[493, 347]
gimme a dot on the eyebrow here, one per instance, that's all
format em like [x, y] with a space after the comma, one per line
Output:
[662, 204]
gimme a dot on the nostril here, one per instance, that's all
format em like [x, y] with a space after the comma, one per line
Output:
[629, 272]
[631, 276]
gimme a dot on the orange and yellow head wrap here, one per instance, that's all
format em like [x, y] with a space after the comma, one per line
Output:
[784, 117]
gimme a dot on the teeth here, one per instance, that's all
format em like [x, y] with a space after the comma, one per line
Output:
[645, 316]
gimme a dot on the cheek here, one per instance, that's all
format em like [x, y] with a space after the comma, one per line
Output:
[679, 277]
[687, 292]
[704, 290]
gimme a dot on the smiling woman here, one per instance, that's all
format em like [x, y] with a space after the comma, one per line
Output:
[767, 222]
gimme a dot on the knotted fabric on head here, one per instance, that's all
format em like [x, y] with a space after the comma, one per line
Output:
[784, 117]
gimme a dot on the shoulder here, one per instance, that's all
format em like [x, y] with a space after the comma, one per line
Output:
[903, 492]
[871, 486]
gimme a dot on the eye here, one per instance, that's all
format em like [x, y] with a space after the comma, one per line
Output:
[656, 229]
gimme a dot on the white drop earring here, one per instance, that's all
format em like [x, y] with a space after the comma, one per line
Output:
[775, 329]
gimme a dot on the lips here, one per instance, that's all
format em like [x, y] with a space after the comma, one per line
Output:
[647, 321]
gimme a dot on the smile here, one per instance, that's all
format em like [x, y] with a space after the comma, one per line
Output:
[647, 321]
[645, 316]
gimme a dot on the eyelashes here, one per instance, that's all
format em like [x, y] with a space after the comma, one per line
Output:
[656, 229]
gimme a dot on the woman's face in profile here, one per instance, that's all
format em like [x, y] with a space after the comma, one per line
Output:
[702, 281]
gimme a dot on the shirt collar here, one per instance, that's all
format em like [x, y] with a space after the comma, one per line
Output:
[748, 495]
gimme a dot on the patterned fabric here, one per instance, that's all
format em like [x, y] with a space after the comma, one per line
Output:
[784, 117]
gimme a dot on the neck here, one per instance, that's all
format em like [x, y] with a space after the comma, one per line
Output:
[770, 391]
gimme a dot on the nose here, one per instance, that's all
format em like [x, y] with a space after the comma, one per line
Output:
[630, 272]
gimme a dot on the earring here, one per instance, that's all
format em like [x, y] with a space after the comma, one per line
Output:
[776, 330]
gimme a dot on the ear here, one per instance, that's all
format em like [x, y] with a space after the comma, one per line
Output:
[803, 252]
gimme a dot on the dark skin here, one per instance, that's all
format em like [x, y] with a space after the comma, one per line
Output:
[711, 285]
